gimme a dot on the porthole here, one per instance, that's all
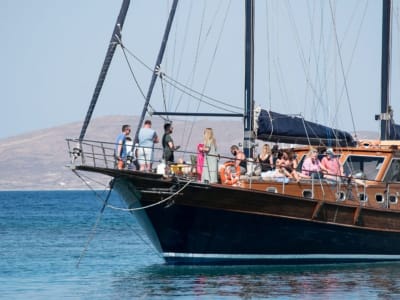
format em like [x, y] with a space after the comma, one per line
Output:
[393, 199]
[379, 198]
[308, 194]
[340, 196]
[362, 197]
[272, 189]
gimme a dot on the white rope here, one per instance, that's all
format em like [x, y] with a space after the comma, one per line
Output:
[151, 205]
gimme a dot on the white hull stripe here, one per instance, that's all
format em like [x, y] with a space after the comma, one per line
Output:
[282, 256]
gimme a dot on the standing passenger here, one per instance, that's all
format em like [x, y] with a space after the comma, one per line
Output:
[147, 138]
[120, 147]
[199, 160]
[168, 146]
[210, 165]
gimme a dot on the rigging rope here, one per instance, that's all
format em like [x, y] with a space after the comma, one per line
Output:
[182, 87]
[94, 228]
[342, 67]
[303, 59]
[163, 92]
[131, 70]
[103, 201]
[159, 59]
[154, 204]
[133, 74]
[210, 66]
[268, 56]
[351, 57]
[88, 185]
[132, 209]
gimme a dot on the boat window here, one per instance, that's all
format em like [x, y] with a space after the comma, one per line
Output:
[379, 198]
[308, 194]
[393, 199]
[272, 189]
[340, 196]
[362, 197]
[393, 173]
[363, 167]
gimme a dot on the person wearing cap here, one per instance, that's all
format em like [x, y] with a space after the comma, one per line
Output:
[331, 163]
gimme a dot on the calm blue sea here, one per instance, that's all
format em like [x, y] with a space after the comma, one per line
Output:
[43, 234]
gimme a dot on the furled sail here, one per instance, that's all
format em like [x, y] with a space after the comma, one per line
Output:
[280, 128]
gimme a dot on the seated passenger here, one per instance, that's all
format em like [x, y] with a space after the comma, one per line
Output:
[334, 170]
[265, 159]
[312, 166]
[240, 159]
[232, 170]
[274, 153]
[287, 166]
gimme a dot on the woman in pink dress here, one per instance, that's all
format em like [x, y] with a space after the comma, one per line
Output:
[200, 160]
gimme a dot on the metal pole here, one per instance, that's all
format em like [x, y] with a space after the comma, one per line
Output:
[248, 144]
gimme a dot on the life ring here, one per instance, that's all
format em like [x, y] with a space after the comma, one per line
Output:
[229, 179]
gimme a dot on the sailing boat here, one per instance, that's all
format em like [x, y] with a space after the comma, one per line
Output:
[262, 220]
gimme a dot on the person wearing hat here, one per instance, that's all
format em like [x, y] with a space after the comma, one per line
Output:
[334, 170]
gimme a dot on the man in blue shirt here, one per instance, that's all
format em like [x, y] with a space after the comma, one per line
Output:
[147, 138]
[120, 146]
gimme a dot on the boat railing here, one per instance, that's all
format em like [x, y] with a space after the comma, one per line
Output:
[91, 153]
[101, 154]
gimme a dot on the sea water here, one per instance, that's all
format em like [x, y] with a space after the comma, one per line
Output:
[45, 234]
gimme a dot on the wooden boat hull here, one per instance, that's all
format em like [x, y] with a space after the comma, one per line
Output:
[193, 223]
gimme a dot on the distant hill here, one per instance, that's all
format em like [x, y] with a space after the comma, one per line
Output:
[38, 160]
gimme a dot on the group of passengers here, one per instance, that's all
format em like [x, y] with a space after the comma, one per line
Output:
[286, 163]
[140, 156]
[280, 162]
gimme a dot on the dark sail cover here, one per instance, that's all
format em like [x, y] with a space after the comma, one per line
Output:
[281, 128]
[394, 131]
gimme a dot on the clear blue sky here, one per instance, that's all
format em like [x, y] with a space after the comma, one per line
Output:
[52, 52]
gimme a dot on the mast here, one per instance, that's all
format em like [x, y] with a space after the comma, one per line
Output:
[248, 145]
[386, 113]
[116, 36]
[157, 65]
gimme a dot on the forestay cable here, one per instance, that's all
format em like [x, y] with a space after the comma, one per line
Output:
[93, 231]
